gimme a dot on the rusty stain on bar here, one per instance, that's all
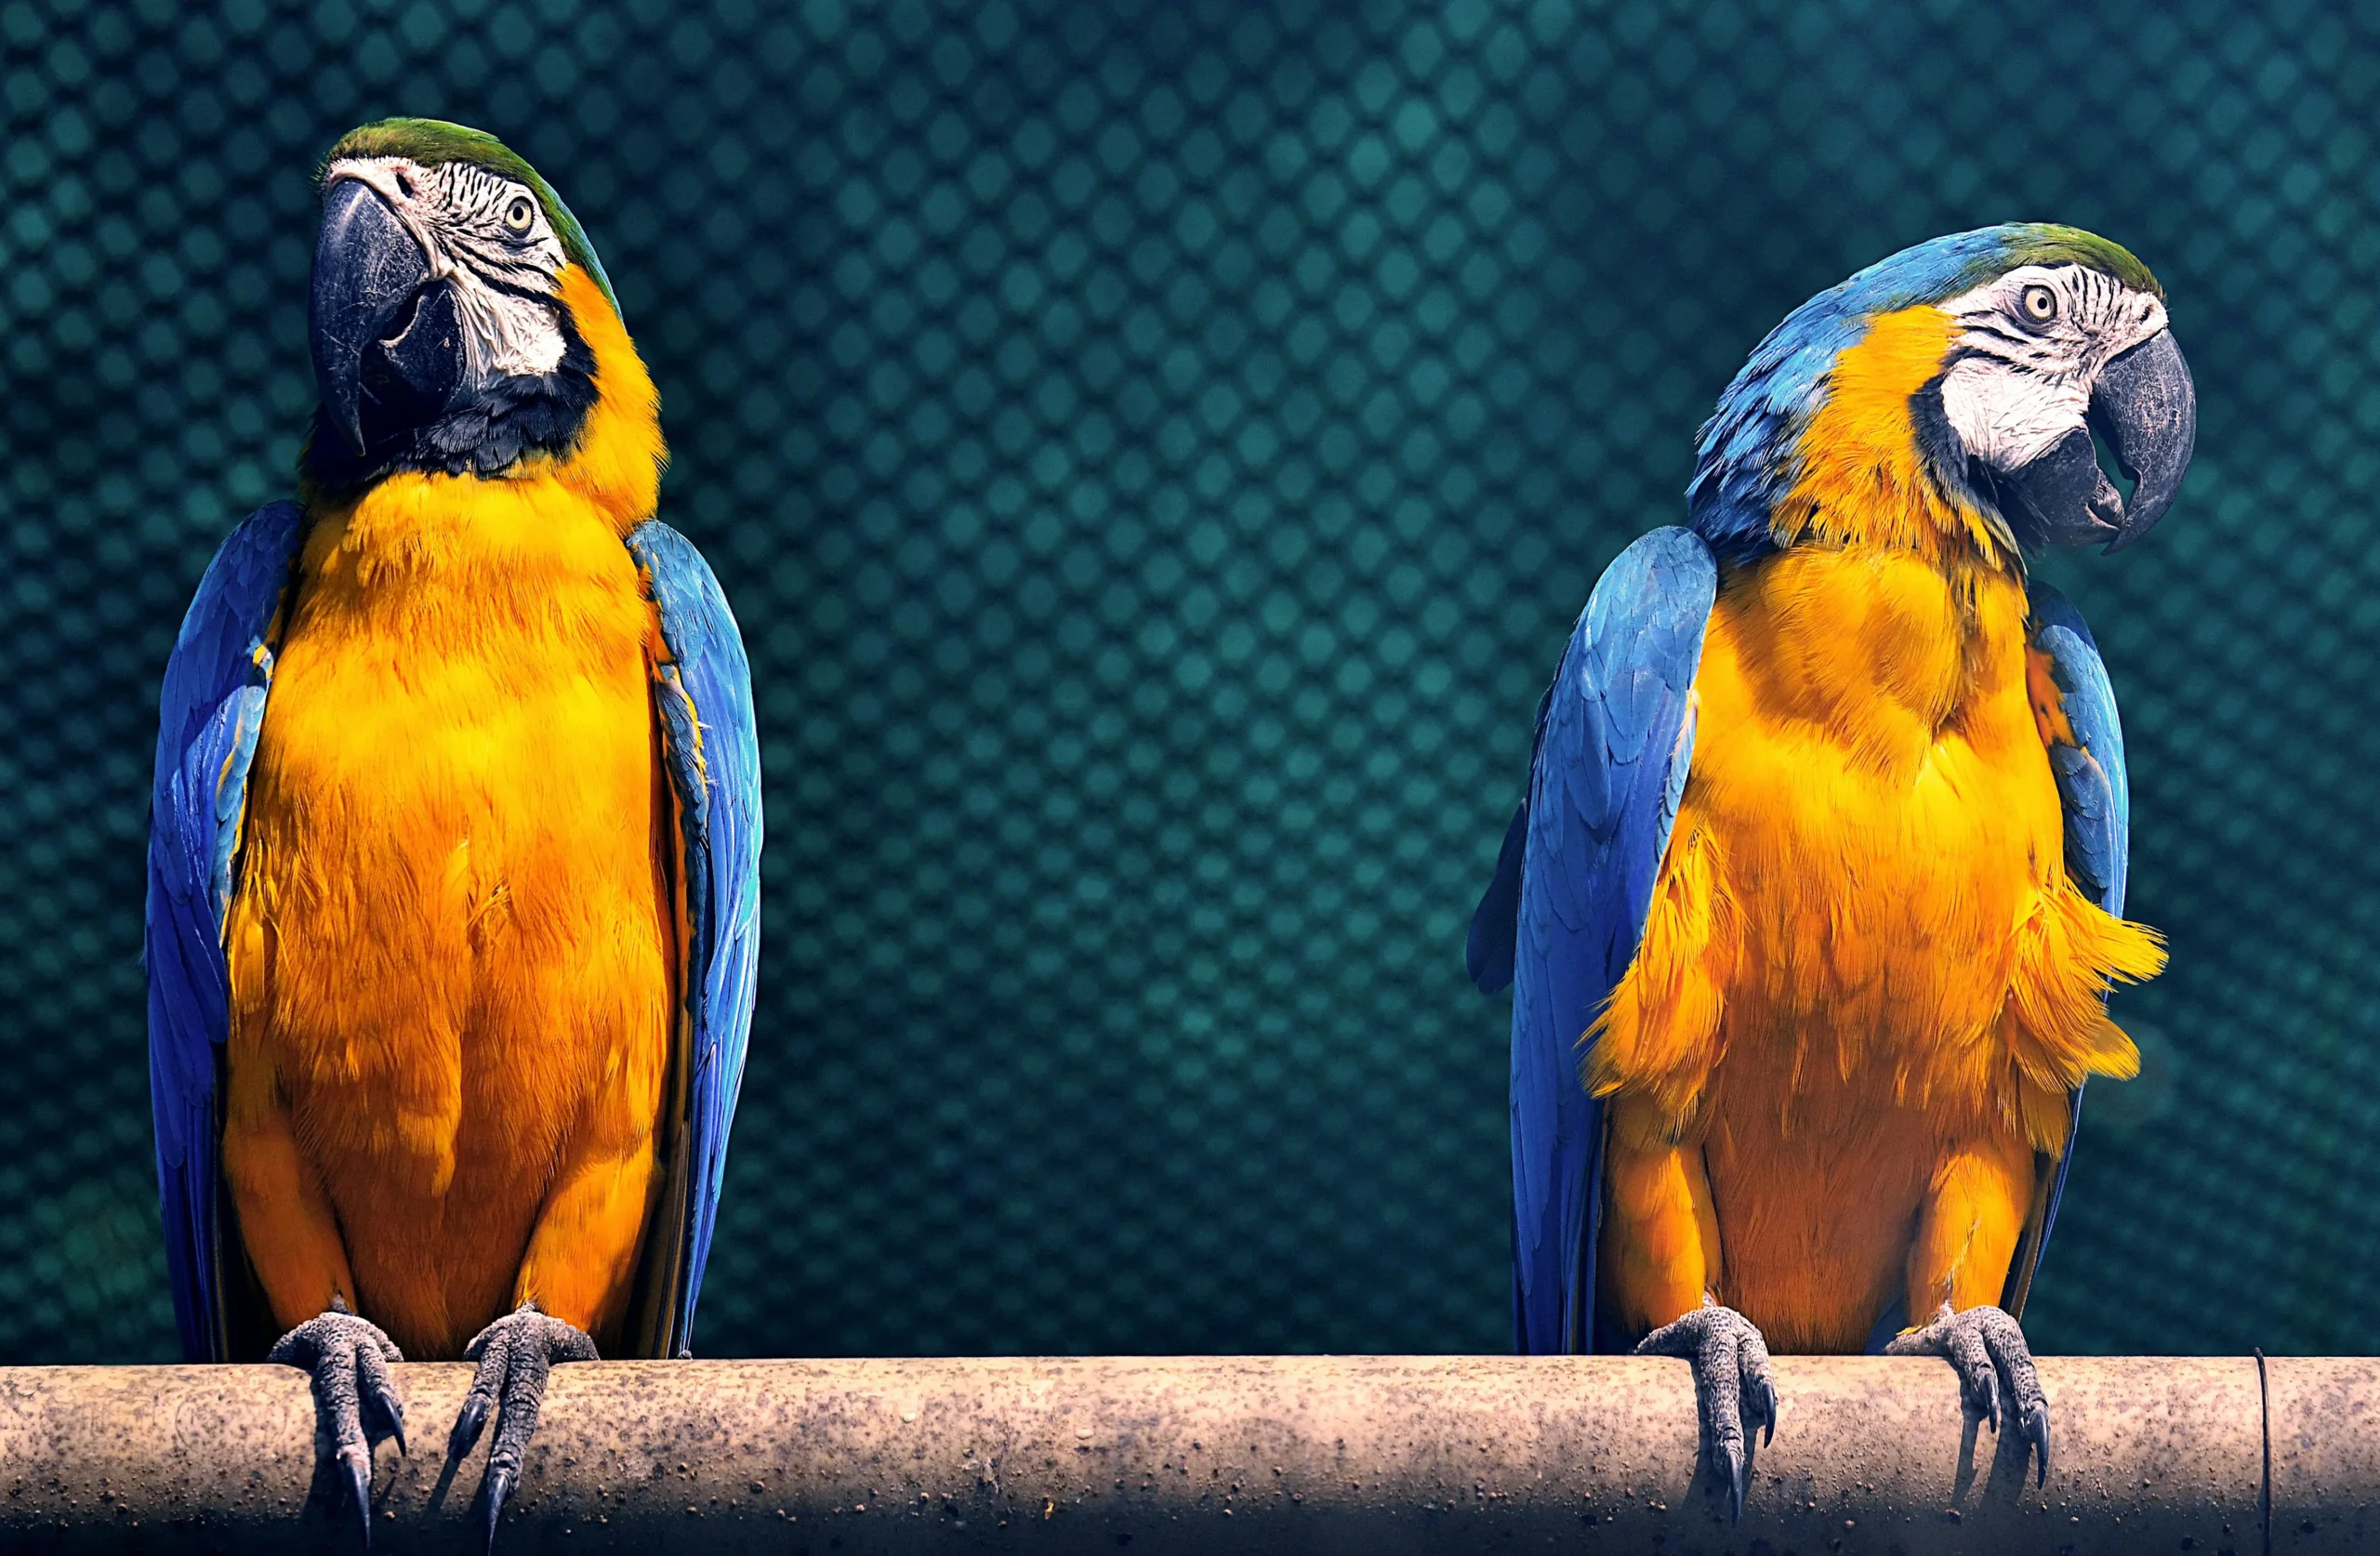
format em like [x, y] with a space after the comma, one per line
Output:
[1371, 1454]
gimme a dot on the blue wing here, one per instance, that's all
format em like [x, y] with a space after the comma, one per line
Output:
[1566, 909]
[2094, 791]
[212, 707]
[704, 697]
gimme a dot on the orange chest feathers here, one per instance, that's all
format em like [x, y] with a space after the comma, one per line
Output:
[449, 929]
[1870, 779]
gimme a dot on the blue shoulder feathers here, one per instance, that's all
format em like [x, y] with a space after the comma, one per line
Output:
[1565, 911]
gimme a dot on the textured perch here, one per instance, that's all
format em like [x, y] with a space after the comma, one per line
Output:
[1270, 1454]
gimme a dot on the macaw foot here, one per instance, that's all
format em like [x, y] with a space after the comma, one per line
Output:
[1735, 1390]
[514, 1354]
[1989, 1352]
[355, 1403]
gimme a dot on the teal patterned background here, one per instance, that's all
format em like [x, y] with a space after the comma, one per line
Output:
[1156, 451]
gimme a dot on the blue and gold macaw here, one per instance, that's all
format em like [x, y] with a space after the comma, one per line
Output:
[1812, 905]
[454, 858]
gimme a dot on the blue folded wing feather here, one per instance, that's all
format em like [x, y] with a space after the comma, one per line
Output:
[711, 751]
[2091, 777]
[209, 712]
[2093, 790]
[1565, 911]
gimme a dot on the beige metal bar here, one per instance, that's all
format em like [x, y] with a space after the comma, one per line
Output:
[1256, 1454]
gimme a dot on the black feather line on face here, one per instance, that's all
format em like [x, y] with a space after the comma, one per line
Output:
[1937, 440]
[1957, 475]
[486, 434]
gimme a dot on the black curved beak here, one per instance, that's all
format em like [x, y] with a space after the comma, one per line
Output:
[368, 274]
[2146, 407]
[2143, 406]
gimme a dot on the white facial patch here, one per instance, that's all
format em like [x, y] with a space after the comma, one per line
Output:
[489, 239]
[2031, 343]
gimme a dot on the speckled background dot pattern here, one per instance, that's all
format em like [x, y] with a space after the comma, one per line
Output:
[1156, 453]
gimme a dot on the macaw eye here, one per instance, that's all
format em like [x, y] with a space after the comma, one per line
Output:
[2040, 304]
[519, 215]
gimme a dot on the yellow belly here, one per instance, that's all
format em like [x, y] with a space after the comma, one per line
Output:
[450, 928]
[1865, 953]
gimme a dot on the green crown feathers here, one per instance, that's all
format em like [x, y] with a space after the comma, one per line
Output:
[2043, 242]
[432, 142]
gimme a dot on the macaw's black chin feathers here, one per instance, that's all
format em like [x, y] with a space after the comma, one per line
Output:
[467, 432]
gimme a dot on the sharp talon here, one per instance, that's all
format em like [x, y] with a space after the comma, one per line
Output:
[468, 1426]
[358, 1477]
[396, 1421]
[2037, 1429]
[499, 1488]
[1739, 1476]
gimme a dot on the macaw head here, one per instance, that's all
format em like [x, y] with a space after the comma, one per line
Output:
[459, 318]
[1953, 390]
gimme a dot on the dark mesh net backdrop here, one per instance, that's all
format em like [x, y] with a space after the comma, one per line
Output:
[1156, 454]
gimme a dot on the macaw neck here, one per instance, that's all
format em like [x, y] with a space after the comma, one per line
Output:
[1860, 474]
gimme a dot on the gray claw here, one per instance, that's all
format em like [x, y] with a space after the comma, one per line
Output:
[1987, 1350]
[378, 1390]
[499, 1490]
[359, 1479]
[1734, 1392]
[347, 1358]
[469, 1425]
[514, 1354]
[2037, 1433]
